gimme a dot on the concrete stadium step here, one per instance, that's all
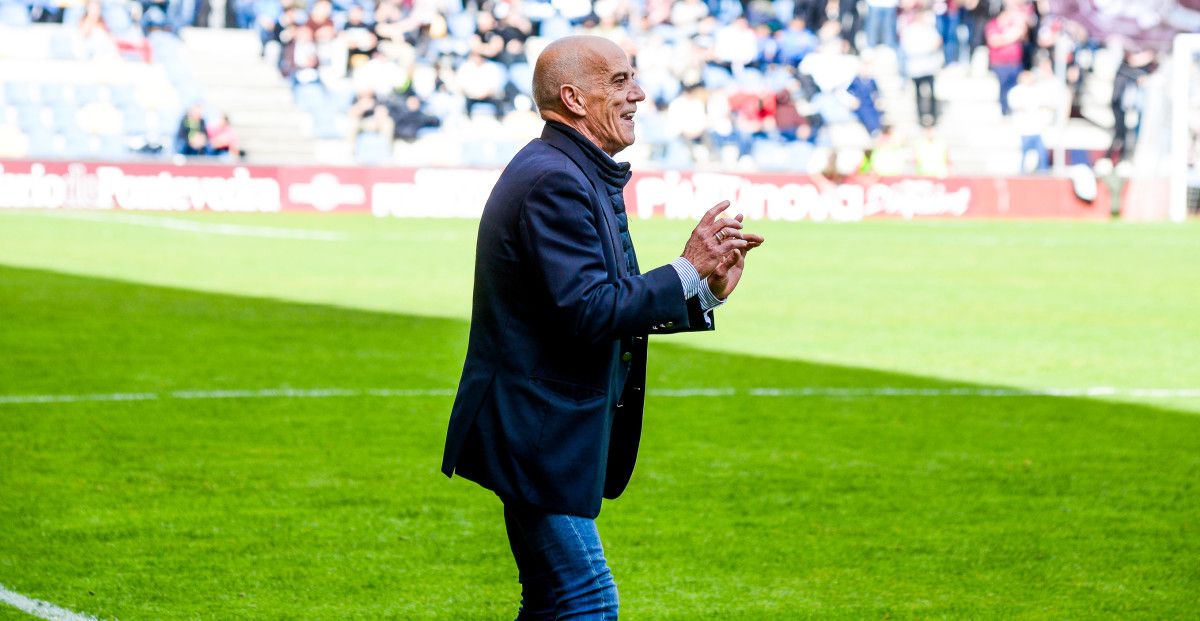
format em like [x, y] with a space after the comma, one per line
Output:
[237, 80]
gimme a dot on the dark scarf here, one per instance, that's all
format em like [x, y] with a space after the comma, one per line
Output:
[613, 175]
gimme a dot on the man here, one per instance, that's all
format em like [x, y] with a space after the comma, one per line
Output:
[549, 409]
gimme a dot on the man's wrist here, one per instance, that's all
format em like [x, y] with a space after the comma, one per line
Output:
[708, 299]
[689, 278]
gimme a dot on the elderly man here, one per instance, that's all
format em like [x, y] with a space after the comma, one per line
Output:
[549, 409]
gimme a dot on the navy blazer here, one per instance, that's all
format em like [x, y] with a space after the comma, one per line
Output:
[549, 407]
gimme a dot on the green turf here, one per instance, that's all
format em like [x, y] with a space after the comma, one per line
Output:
[1017, 303]
[741, 508]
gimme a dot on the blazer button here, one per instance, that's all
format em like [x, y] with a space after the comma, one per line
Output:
[627, 356]
[670, 324]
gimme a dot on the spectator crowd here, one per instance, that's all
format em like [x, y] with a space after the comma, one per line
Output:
[784, 83]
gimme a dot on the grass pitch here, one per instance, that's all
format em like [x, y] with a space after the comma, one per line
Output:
[742, 507]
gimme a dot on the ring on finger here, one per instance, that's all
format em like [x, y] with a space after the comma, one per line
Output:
[720, 236]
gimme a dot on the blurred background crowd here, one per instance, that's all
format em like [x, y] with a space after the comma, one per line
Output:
[886, 87]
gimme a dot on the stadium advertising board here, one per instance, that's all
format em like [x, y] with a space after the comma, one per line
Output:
[442, 192]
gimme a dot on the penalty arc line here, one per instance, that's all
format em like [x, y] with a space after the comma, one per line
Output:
[38, 608]
[839, 392]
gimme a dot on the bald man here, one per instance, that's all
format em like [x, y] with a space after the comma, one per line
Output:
[549, 408]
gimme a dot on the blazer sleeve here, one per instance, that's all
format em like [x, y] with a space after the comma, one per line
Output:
[561, 237]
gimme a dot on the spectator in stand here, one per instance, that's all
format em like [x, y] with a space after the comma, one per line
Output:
[482, 82]
[795, 42]
[359, 39]
[305, 61]
[975, 16]
[1030, 117]
[735, 46]
[866, 92]
[369, 116]
[410, 119]
[889, 157]
[789, 122]
[1127, 98]
[94, 37]
[223, 139]
[380, 75]
[686, 16]
[813, 12]
[923, 57]
[881, 23]
[687, 119]
[849, 22]
[1005, 39]
[192, 137]
[949, 16]
[932, 156]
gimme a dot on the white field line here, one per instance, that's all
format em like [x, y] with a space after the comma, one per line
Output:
[38, 608]
[212, 228]
[801, 391]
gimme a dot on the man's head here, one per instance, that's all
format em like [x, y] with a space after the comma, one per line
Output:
[588, 83]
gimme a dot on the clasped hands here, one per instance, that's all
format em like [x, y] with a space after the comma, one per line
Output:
[718, 248]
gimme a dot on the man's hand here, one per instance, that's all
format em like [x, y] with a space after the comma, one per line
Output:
[714, 238]
[725, 277]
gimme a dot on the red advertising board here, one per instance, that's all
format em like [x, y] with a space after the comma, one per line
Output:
[450, 192]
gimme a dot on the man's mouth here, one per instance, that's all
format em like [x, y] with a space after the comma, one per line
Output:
[628, 116]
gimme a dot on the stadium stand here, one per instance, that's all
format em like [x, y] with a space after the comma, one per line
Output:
[754, 85]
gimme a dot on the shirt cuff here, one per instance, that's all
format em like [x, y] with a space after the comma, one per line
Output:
[708, 300]
[688, 277]
[694, 286]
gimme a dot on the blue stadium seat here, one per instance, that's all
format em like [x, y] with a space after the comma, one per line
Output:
[134, 121]
[86, 93]
[52, 93]
[123, 97]
[41, 144]
[310, 98]
[521, 76]
[64, 119]
[461, 25]
[113, 147]
[677, 156]
[372, 149]
[14, 14]
[555, 27]
[715, 77]
[17, 93]
[61, 46]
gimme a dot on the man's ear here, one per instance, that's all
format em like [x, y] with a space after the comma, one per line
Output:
[572, 99]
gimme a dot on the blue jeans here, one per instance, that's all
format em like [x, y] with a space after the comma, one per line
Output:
[1034, 143]
[561, 566]
[881, 27]
[1007, 75]
[947, 26]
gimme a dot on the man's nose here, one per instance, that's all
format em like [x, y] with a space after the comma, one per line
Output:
[637, 94]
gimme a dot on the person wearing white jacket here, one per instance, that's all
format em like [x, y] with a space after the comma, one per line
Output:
[922, 46]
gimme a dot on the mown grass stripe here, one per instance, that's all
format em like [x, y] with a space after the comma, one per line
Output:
[801, 391]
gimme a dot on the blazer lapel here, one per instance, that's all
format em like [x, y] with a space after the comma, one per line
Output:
[607, 218]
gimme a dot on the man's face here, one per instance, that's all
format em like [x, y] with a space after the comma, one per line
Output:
[612, 100]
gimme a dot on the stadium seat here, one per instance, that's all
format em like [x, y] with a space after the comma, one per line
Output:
[461, 25]
[42, 144]
[86, 93]
[62, 47]
[18, 93]
[14, 15]
[555, 28]
[521, 76]
[716, 77]
[372, 149]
